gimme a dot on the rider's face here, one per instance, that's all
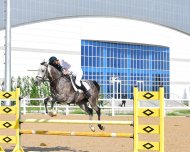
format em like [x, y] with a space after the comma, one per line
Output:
[57, 62]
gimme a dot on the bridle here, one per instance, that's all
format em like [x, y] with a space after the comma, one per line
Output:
[41, 79]
[44, 78]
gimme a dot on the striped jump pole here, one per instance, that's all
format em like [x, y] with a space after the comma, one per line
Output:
[76, 121]
[89, 134]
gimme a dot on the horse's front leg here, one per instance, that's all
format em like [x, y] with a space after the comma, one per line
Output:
[53, 112]
[52, 103]
[46, 100]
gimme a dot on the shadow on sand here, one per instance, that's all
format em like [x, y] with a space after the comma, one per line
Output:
[50, 149]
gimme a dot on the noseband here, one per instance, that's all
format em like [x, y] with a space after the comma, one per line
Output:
[42, 78]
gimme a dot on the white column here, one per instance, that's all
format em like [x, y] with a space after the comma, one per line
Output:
[8, 50]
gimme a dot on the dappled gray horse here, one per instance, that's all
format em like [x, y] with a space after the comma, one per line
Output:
[62, 91]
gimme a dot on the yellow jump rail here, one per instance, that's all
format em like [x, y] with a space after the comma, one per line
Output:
[66, 133]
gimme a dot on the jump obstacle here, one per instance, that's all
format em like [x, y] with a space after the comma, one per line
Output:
[138, 129]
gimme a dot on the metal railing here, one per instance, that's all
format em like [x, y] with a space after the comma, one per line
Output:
[112, 105]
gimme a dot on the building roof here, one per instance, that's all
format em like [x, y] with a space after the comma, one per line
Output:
[170, 13]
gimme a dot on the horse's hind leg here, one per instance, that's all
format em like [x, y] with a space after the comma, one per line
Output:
[84, 106]
[98, 111]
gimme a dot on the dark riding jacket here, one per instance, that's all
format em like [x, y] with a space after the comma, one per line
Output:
[57, 66]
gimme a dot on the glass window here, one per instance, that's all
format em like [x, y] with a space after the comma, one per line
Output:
[94, 51]
[126, 62]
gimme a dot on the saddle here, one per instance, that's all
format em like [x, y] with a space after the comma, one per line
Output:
[78, 88]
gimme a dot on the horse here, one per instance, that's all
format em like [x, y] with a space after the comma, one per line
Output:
[62, 91]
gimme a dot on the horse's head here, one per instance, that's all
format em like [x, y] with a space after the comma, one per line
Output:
[42, 73]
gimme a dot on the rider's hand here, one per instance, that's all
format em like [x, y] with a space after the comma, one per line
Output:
[65, 72]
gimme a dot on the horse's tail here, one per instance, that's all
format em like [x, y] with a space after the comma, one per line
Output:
[97, 85]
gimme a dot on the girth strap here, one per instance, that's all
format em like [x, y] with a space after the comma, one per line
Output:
[74, 85]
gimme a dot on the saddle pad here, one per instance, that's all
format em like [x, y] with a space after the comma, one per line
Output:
[86, 85]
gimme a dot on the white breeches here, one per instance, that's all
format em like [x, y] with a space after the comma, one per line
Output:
[78, 73]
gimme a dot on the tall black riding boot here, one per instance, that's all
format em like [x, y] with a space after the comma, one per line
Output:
[86, 92]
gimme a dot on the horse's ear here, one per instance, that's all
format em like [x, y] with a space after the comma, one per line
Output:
[44, 63]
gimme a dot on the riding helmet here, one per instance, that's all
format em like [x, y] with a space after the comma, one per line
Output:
[52, 59]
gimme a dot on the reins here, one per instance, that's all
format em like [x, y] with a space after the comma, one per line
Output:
[45, 77]
[55, 79]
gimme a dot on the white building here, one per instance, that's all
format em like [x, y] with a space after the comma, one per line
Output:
[34, 42]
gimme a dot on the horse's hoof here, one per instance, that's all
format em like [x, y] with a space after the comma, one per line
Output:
[52, 114]
[101, 127]
[44, 113]
[92, 129]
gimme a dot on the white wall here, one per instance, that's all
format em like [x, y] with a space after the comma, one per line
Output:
[34, 42]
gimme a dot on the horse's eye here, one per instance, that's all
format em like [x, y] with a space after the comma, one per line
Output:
[43, 70]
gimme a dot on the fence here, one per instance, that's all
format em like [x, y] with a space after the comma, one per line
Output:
[113, 106]
[138, 128]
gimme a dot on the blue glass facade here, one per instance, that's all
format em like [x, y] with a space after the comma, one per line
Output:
[118, 67]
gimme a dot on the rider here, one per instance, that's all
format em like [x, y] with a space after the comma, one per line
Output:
[66, 68]
[56, 63]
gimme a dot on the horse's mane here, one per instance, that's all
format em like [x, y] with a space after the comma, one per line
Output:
[97, 85]
[64, 76]
[56, 68]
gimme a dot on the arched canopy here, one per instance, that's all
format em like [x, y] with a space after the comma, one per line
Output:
[174, 14]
